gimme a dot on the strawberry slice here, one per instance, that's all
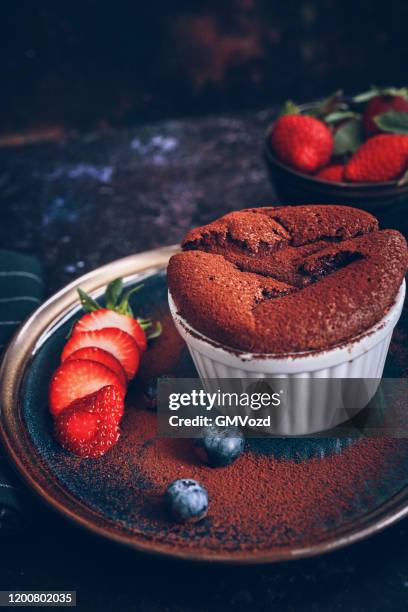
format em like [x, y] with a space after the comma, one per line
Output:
[116, 313]
[93, 353]
[115, 341]
[90, 426]
[77, 378]
[105, 317]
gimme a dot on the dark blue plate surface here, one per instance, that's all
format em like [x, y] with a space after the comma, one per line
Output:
[284, 498]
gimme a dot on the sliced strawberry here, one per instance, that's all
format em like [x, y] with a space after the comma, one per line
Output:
[77, 378]
[78, 426]
[108, 400]
[111, 339]
[104, 317]
[90, 426]
[97, 354]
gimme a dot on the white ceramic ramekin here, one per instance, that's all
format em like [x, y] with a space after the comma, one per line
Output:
[363, 357]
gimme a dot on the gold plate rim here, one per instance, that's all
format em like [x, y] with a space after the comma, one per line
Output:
[25, 458]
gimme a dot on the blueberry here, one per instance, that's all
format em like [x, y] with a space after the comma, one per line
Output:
[219, 446]
[150, 390]
[186, 500]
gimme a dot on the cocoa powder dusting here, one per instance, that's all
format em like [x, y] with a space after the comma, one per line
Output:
[260, 501]
[271, 498]
[263, 501]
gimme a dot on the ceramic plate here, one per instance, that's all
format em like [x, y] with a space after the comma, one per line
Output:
[282, 499]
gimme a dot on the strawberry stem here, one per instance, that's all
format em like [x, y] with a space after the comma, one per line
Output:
[289, 108]
[329, 105]
[115, 302]
[88, 303]
[124, 307]
[145, 323]
[112, 293]
[155, 333]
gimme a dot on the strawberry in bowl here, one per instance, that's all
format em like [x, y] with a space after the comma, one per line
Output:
[378, 102]
[101, 356]
[349, 150]
[302, 141]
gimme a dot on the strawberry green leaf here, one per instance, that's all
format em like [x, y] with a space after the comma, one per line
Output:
[124, 307]
[88, 303]
[155, 333]
[144, 323]
[340, 115]
[365, 96]
[381, 91]
[129, 311]
[289, 108]
[393, 121]
[348, 137]
[71, 329]
[112, 293]
[328, 105]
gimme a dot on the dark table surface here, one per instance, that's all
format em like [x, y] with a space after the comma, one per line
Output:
[81, 203]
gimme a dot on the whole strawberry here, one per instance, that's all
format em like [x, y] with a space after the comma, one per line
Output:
[302, 142]
[331, 173]
[382, 101]
[381, 158]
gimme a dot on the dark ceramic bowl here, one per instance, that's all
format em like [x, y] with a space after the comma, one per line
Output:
[293, 187]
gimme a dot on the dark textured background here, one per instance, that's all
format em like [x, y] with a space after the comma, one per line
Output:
[86, 65]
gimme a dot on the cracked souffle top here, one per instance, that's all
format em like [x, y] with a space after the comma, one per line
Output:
[287, 279]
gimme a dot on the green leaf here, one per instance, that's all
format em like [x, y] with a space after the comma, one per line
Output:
[124, 307]
[348, 137]
[340, 115]
[88, 303]
[381, 91]
[328, 105]
[112, 293]
[289, 108]
[155, 333]
[71, 329]
[144, 323]
[365, 96]
[393, 121]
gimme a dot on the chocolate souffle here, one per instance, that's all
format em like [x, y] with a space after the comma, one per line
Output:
[287, 279]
